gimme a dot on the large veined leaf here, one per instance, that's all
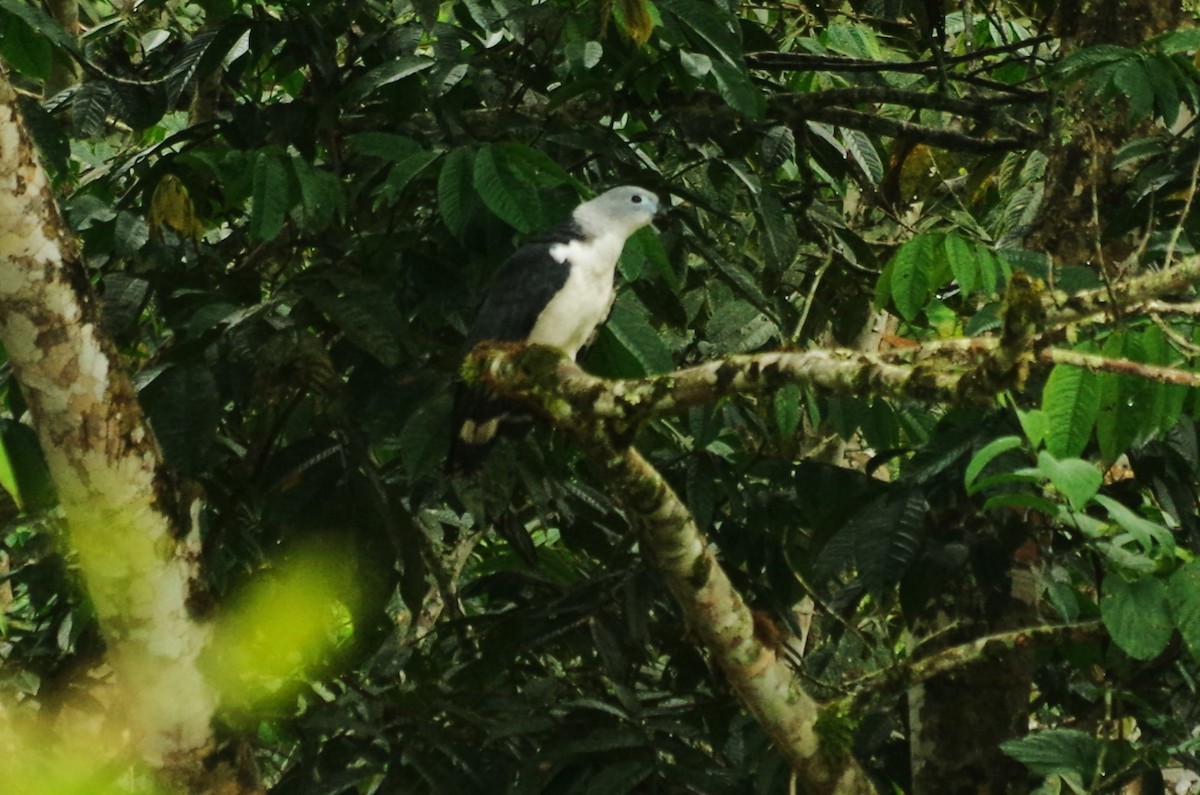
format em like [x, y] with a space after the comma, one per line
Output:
[1069, 753]
[424, 439]
[1136, 615]
[735, 87]
[780, 240]
[1165, 78]
[457, 200]
[384, 145]
[90, 104]
[38, 22]
[203, 53]
[1090, 58]
[914, 275]
[368, 317]
[320, 194]
[507, 191]
[23, 472]
[1177, 41]
[385, 74]
[862, 150]
[184, 407]
[963, 263]
[1077, 480]
[1183, 596]
[1133, 81]
[984, 456]
[787, 410]
[1131, 408]
[24, 50]
[628, 327]
[1070, 399]
[883, 537]
[270, 200]
[778, 147]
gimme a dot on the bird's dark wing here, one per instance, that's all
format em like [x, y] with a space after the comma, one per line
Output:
[519, 291]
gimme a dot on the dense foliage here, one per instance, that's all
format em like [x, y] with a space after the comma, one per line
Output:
[290, 212]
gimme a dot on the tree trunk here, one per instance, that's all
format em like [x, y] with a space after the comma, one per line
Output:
[125, 520]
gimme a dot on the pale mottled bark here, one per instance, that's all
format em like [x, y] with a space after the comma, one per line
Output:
[124, 519]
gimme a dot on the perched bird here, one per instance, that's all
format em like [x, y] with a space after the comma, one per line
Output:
[554, 290]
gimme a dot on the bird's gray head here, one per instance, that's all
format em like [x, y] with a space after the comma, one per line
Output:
[620, 211]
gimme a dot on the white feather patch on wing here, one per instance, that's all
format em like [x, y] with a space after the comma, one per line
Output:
[584, 301]
[473, 432]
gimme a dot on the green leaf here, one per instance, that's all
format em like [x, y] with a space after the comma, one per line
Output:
[985, 456]
[1183, 596]
[855, 41]
[270, 201]
[90, 104]
[507, 190]
[27, 52]
[23, 470]
[395, 187]
[1164, 76]
[696, 64]
[320, 194]
[787, 410]
[1146, 533]
[735, 87]
[1062, 752]
[385, 146]
[1089, 58]
[912, 268]
[39, 23]
[183, 405]
[1132, 80]
[737, 326]
[963, 264]
[887, 536]
[200, 56]
[712, 24]
[367, 84]
[862, 150]
[1070, 400]
[424, 440]
[368, 317]
[1177, 41]
[781, 242]
[629, 326]
[1077, 480]
[778, 147]
[1034, 424]
[1137, 615]
[1138, 150]
[1119, 414]
[457, 200]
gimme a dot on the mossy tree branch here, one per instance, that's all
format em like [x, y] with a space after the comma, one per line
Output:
[604, 416]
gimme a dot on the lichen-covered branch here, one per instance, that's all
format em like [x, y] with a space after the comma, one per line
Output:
[955, 658]
[125, 520]
[1106, 364]
[1124, 297]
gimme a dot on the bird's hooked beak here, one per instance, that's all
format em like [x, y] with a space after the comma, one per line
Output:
[663, 212]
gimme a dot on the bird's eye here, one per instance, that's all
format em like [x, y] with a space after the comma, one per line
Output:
[637, 199]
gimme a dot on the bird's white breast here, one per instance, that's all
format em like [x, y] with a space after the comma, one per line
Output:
[584, 301]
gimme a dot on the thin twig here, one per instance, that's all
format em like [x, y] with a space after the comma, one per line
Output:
[812, 293]
[1187, 207]
[1107, 364]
